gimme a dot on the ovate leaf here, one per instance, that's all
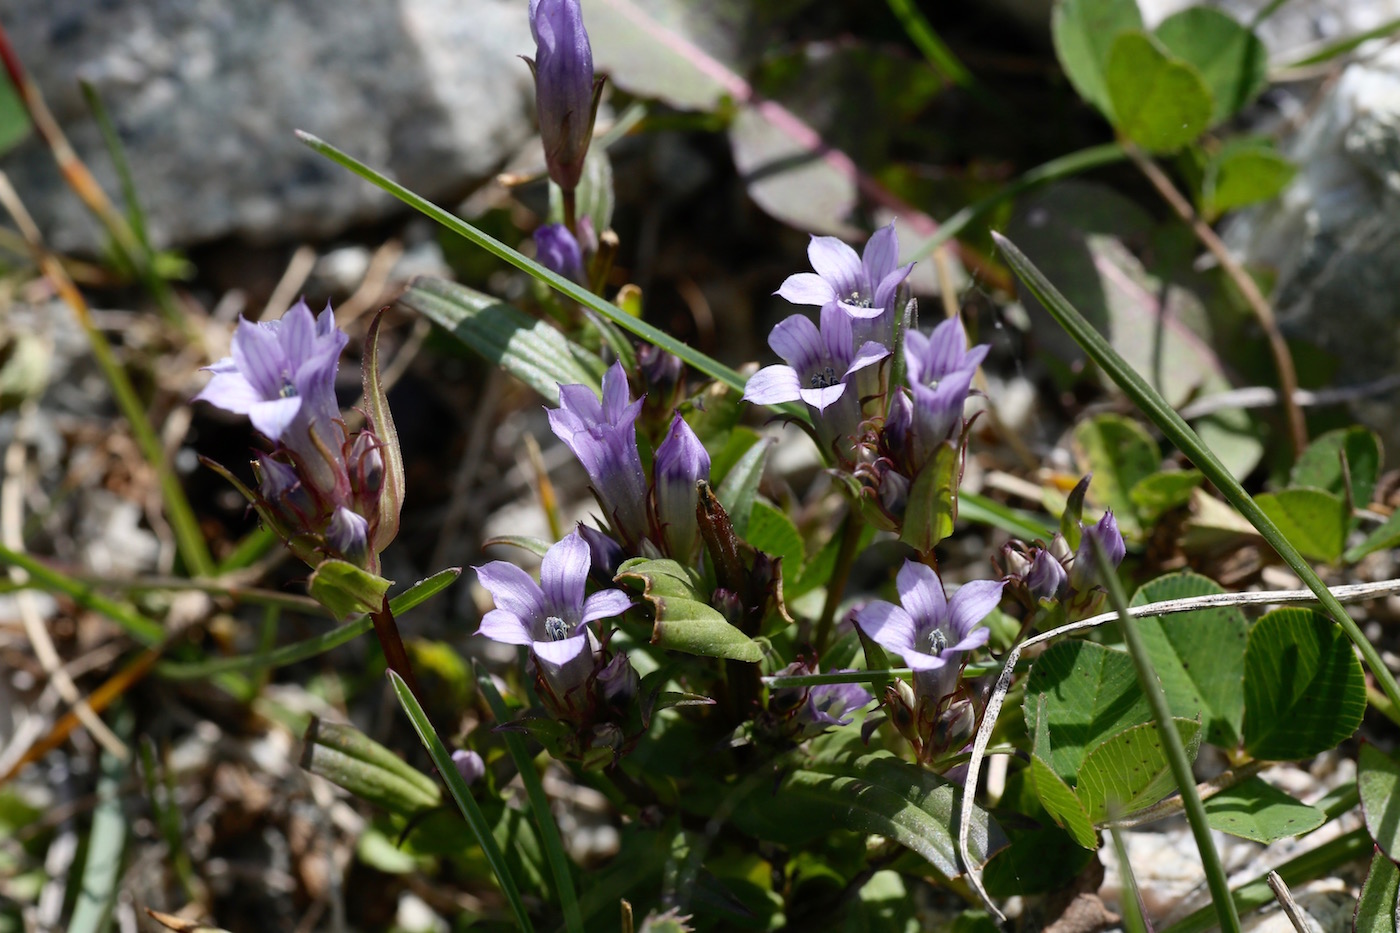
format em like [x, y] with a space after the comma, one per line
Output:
[1198, 656]
[1084, 31]
[684, 620]
[1230, 58]
[1089, 693]
[1159, 102]
[1304, 691]
[1320, 465]
[1159, 493]
[1244, 171]
[345, 589]
[1130, 771]
[1062, 804]
[1255, 809]
[1315, 522]
[1378, 780]
[773, 533]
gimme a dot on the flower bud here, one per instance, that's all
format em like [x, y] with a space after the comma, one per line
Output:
[1085, 568]
[565, 91]
[282, 487]
[1046, 577]
[558, 251]
[348, 534]
[681, 462]
[469, 765]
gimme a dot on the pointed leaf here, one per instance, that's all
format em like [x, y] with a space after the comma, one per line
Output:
[1130, 771]
[348, 758]
[684, 619]
[1062, 804]
[1386, 535]
[1304, 691]
[773, 533]
[1090, 692]
[1378, 780]
[1376, 910]
[933, 501]
[740, 485]
[1256, 810]
[381, 420]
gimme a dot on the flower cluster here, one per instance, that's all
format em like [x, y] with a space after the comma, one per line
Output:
[323, 487]
[1054, 577]
[933, 634]
[794, 714]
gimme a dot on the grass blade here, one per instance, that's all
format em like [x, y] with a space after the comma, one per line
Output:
[463, 796]
[554, 852]
[1216, 878]
[97, 892]
[1179, 433]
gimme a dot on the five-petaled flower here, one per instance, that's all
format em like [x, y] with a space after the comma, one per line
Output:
[940, 368]
[864, 286]
[551, 617]
[928, 630]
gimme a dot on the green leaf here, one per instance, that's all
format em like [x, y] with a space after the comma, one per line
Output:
[1376, 910]
[1378, 780]
[1090, 692]
[102, 862]
[819, 569]
[381, 421]
[348, 758]
[531, 350]
[14, 119]
[345, 589]
[740, 485]
[933, 501]
[868, 793]
[773, 533]
[1120, 454]
[1159, 102]
[1320, 465]
[1157, 494]
[1198, 656]
[1315, 522]
[1244, 171]
[1062, 804]
[1255, 809]
[462, 795]
[1304, 691]
[1084, 31]
[1230, 58]
[684, 620]
[1130, 771]
[1038, 861]
[1386, 535]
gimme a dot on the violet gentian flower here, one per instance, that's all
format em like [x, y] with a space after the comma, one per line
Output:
[603, 436]
[282, 376]
[940, 368]
[930, 632]
[550, 617]
[864, 286]
[681, 461]
[566, 94]
[469, 765]
[1085, 568]
[827, 706]
[558, 251]
[1046, 578]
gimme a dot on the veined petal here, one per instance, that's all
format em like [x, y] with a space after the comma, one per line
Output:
[581, 402]
[915, 352]
[881, 254]
[862, 312]
[806, 288]
[838, 338]
[272, 418]
[563, 572]
[616, 393]
[231, 392]
[886, 624]
[771, 385]
[971, 604]
[559, 653]
[504, 627]
[869, 353]
[919, 661]
[797, 340]
[297, 335]
[258, 355]
[824, 397]
[946, 347]
[886, 287]
[837, 263]
[512, 589]
[974, 639]
[606, 604]
[921, 594]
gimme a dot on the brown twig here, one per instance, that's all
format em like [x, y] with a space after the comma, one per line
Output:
[1283, 360]
[1290, 906]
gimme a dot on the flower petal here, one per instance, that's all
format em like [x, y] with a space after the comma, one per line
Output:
[886, 287]
[921, 595]
[946, 347]
[838, 338]
[971, 604]
[258, 354]
[771, 385]
[231, 392]
[272, 418]
[886, 624]
[974, 639]
[581, 402]
[297, 335]
[837, 263]
[504, 627]
[869, 353]
[806, 288]
[823, 398]
[512, 589]
[563, 573]
[881, 254]
[605, 604]
[616, 393]
[797, 340]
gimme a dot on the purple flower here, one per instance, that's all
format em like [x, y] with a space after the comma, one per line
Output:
[603, 436]
[681, 462]
[929, 631]
[348, 534]
[1085, 567]
[552, 616]
[940, 369]
[558, 251]
[469, 765]
[282, 376]
[828, 704]
[864, 286]
[1046, 577]
[565, 92]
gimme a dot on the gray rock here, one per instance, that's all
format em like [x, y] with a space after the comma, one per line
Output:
[206, 94]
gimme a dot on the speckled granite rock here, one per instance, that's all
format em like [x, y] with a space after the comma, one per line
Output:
[206, 94]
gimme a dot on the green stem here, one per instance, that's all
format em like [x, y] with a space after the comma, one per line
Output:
[933, 48]
[1180, 434]
[840, 573]
[1216, 878]
[146, 631]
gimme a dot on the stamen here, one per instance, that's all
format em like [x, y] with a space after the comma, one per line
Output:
[823, 378]
[288, 390]
[556, 629]
[937, 642]
[857, 299]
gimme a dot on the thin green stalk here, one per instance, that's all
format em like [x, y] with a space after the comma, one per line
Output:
[1265, 12]
[1133, 918]
[1317, 863]
[1343, 46]
[559, 864]
[1216, 878]
[984, 511]
[934, 49]
[147, 631]
[102, 866]
[1180, 434]
[462, 794]
[1055, 169]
